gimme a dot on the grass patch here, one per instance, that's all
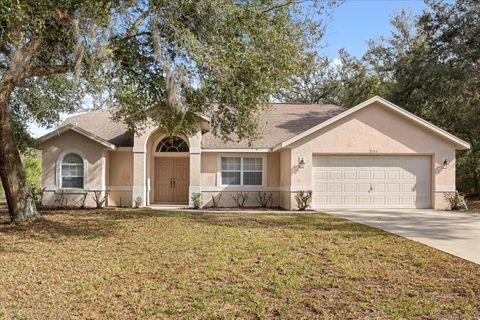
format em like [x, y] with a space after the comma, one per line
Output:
[145, 264]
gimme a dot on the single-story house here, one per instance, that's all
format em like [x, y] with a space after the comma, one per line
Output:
[374, 155]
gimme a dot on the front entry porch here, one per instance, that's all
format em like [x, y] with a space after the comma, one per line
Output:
[166, 168]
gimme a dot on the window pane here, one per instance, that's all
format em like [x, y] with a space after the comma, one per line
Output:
[252, 164]
[252, 178]
[72, 158]
[80, 170]
[231, 178]
[70, 182]
[231, 164]
[65, 171]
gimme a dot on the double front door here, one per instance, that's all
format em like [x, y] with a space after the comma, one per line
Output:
[171, 180]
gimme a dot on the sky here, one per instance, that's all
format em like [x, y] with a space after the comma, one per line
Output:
[356, 21]
[350, 26]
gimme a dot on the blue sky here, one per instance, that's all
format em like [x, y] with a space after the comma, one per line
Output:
[352, 24]
[356, 21]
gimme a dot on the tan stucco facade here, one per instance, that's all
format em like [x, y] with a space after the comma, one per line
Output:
[376, 130]
[53, 151]
[126, 174]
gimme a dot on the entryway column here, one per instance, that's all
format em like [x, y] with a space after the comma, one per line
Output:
[139, 188]
[139, 175]
[195, 145]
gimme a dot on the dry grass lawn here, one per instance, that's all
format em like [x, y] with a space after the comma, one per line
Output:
[118, 264]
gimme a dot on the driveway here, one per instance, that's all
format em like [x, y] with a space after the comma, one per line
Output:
[453, 232]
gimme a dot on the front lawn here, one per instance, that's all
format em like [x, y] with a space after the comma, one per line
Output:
[118, 264]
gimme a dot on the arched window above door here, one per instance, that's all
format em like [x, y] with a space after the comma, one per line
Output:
[172, 144]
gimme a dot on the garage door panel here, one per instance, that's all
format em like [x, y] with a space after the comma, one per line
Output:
[378, 187]
[320, 200]
[364, 187]
[372, 181]
[350, 200]
[393, 174]
[393, 187]
[349, 175]
[408, 187]
[393, 199]
[378, 200]
[407, 199]
[350, 187]
[320, 186]
[363, 175]
[378, 175]
[364, 200]
[334, 187]
[319, 175]
[335, 175]
[334, 200]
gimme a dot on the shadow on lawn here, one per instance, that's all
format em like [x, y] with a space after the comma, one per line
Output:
[49, 228]
[300, 221]
[59, 225]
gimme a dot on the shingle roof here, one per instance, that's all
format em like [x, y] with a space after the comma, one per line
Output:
[100, 123]
[277, 124]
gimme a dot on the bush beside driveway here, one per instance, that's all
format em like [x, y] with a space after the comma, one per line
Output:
[150, 264]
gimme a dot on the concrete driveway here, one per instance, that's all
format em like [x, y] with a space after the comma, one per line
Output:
[454, 232]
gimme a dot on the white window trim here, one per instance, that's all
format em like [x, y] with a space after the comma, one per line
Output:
[59, 170]
[241, 156]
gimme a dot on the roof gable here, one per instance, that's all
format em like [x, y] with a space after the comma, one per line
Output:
[385, 103]
[79, 130]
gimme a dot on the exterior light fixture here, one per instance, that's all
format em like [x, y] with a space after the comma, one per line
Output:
[301, 163]
[445, 163]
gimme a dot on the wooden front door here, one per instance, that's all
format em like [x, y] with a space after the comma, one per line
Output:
[172, 177]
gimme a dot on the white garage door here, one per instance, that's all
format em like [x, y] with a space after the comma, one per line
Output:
[371, 182]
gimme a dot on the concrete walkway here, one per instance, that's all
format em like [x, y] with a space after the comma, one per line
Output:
[454, 232]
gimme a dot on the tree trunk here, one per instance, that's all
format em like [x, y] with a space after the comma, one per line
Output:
[21, 204]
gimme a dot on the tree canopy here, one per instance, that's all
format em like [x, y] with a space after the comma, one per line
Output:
[148, 60]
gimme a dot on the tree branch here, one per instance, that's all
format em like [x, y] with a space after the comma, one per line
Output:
[47, 70]
[281, 5]
[132, 32]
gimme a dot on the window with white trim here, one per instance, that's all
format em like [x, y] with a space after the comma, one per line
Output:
[242, 171]
[72, 171]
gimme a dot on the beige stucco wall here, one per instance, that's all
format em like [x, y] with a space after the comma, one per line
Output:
[119, 198]
[120, 168]
[209, 168]
[91, 151]
[285, 199]
[119, 178]
[375, 130]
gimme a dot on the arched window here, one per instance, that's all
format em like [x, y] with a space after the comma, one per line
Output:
[72, 171]
[172, 144]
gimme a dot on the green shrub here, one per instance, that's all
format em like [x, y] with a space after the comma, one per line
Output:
[264, 199]
[303, 199]
[216, 200]
[196, 200]
[240, 199]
